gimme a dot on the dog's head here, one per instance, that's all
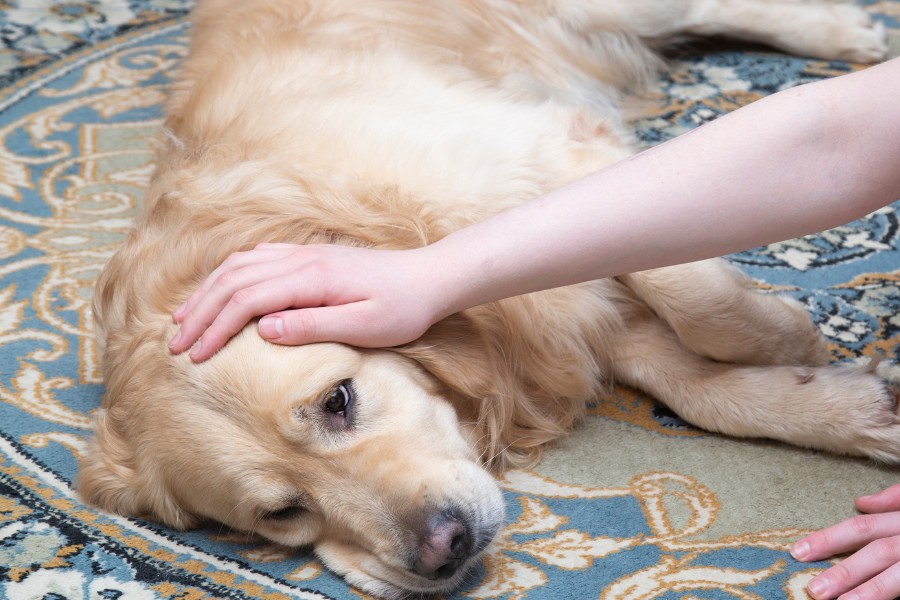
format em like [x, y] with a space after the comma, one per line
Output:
[375, 458]
[355, 453]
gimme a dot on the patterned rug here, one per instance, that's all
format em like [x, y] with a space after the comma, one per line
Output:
[635, 505]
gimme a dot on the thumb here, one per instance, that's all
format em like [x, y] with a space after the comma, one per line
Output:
[294, 327]
[310, 325]
[883, 501]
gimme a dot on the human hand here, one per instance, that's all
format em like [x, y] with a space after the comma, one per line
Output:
[873, 571]
[364, 297]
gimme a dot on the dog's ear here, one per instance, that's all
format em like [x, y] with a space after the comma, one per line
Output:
[493, 377]
[106, 478]
[456, 352]
[109, 479]
[474, 378]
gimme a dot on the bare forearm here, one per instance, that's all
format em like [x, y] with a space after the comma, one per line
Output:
[798, 162]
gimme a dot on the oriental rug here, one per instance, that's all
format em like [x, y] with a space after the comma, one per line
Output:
[634, 505]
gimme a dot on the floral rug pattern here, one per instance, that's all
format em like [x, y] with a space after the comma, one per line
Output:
[81, 88]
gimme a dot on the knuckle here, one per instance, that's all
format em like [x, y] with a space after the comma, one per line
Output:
[886, 548]
[243, 297]
[228, 279]
[307, 257]
[194, 323]
[863, 524]
[233, 259]
[875, 588]
[317, 271]
[841, 574]
[301, 326]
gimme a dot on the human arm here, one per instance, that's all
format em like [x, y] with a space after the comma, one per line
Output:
[799, 161]
[873, 571]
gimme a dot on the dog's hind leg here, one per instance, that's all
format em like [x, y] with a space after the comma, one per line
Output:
[715, 312]
[843, 409]
[819, 28]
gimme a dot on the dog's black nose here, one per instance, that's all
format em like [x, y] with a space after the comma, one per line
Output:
[446, 544]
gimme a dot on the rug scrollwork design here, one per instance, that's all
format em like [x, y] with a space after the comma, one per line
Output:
[635, 505]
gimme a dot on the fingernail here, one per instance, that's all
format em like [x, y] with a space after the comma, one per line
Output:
[850, 596]
[800, 550]
[818, 586]
[271, 327]
[178, 310]
[195, 351]
[174, 341]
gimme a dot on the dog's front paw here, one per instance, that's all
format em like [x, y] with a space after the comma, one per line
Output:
[843, 409]
[875, 432]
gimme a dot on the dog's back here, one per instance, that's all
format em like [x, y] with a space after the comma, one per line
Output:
[463, 104]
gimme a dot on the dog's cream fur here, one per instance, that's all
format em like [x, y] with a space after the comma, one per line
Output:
[388, 123]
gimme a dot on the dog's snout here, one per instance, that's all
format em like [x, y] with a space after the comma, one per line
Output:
[446, 544]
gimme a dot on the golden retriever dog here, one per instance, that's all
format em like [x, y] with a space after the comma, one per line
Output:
[388, 124]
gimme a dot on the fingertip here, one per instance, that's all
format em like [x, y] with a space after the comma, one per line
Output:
[178, 314]
[173, 343]
[197, 353]
[801, 550]
[864, 502]
[818, 587]
[885, 500]
[271, 327]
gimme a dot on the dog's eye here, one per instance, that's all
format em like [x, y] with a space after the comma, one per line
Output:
[339, 400]
[283, 514]
[338, 406]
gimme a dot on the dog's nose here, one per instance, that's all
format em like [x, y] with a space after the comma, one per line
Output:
[445, 546]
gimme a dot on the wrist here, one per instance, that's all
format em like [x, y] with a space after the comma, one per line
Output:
[445, 283]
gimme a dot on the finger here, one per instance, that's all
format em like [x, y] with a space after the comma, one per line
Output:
[885, 586]
[231, 287]
[350, 323]
[846, 536]
[271, 295]
[872, 573]
[883, 501]
[311, 325]
[235, 261]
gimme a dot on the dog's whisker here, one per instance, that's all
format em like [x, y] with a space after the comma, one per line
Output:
[251, 533]
[236, 506]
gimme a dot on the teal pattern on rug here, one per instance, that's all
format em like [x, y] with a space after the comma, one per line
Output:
[81, 88]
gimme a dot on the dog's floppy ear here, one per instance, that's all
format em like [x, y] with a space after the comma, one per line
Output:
[109, 479]
[106, 477]
[455, 352]
[494, 379]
